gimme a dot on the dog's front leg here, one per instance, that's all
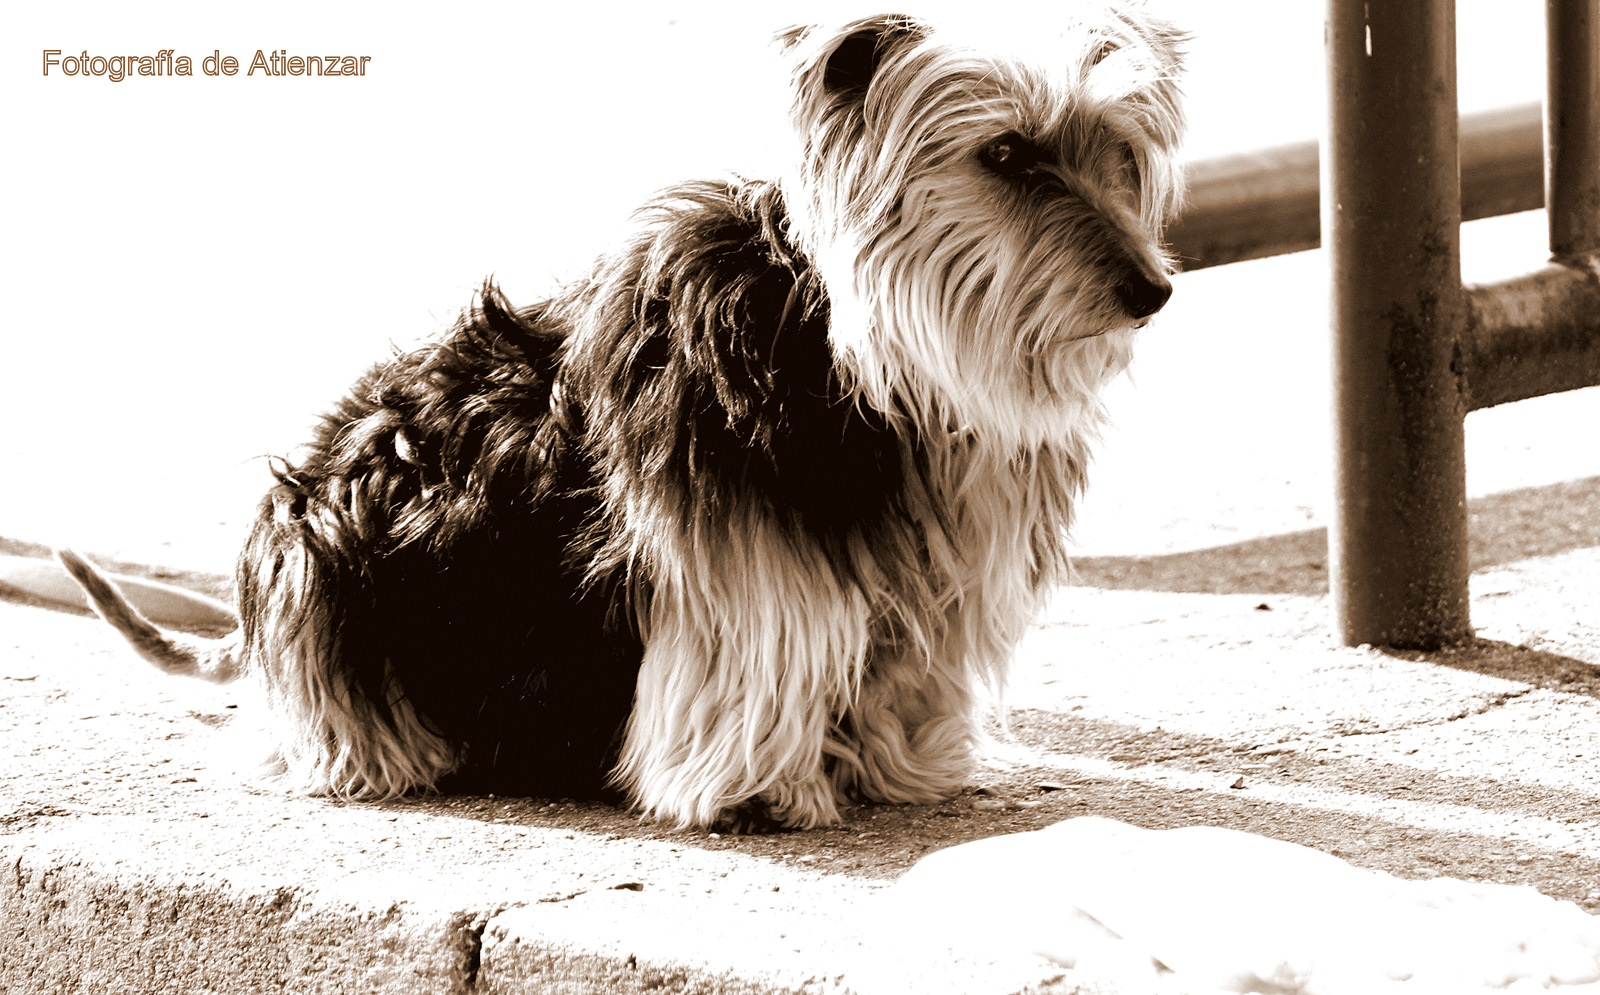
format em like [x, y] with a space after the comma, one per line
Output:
[753, 650]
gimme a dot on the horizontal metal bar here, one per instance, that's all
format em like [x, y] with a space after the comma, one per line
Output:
[1265, 203]
[1533, 335]
[1247, 206]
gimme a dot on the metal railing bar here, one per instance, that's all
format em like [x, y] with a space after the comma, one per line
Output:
[1265, 203]
[1533, 335]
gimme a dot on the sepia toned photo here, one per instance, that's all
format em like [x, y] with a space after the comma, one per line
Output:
[972, 499]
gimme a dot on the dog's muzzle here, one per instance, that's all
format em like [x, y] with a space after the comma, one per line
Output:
[1142, 293]
[1137, 282]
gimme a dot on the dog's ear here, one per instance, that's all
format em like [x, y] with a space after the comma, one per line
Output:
[1170, 42]
[861, 51]
[1163, 38]
[791, 36]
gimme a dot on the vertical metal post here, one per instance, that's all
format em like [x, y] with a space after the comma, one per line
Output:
[1391, 218]
[1572, 125]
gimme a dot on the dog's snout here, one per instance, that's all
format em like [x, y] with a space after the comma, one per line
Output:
[1133, 275]
[1143, 294]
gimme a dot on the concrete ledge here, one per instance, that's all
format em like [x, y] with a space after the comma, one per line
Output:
[138, 857]
[103, 905]
[79, 927]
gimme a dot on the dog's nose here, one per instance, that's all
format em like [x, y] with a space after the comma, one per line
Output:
[1143, 294]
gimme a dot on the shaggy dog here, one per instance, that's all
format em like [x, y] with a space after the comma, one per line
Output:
[742, 523]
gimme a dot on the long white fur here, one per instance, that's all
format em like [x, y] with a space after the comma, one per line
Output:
[986, 337]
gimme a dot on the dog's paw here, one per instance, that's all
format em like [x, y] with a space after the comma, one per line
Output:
[751, 817]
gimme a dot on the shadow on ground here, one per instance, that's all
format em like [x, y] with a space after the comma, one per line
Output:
[1514, 525]
[1542, 669]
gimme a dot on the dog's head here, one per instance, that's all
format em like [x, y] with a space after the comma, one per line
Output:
[986, 207]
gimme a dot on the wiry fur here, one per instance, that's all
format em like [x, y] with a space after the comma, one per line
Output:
[742, 523]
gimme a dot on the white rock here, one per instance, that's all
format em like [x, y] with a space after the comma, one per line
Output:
[1202, 909]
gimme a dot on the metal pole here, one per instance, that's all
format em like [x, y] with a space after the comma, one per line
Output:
[1572, 125]
[1391, 214]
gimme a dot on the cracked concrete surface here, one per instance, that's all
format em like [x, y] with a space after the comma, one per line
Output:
[137, 860]
[1236, 667]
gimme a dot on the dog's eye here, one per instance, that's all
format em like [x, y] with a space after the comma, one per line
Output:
[1011, 155]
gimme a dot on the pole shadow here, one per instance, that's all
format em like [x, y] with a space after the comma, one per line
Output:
[1502, 528]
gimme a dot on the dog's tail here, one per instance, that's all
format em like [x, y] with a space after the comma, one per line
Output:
[214, 660]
